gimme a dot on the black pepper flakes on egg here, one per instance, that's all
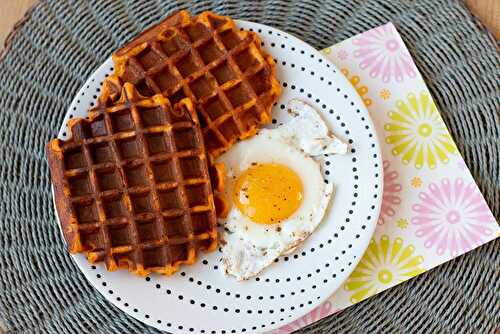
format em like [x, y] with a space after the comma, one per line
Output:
[292, 112]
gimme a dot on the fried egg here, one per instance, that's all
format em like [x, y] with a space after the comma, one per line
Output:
[276, 190]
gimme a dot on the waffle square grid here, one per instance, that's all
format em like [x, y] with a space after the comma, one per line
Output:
[132, 185]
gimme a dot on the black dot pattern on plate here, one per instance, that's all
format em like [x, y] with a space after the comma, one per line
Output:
[225, 309]
[316, 273]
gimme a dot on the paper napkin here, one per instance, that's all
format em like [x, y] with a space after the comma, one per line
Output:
[432, 210]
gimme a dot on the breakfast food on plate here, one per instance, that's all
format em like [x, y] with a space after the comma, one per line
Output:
[176, 137]
[206, 58]
[276, 190]
[131, 185]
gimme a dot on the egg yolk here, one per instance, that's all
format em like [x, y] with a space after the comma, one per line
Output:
[268, 193]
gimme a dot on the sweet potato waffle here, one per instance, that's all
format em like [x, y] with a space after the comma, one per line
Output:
[223, 70]
[132, 186]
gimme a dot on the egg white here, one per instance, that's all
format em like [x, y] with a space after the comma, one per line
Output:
[248, 247]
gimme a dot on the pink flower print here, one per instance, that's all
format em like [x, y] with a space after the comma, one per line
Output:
[390, 198]
[382, 52]
[452, 216]
[318, 313]
[342, 55]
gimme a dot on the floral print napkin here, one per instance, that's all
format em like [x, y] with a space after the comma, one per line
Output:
[432, 210]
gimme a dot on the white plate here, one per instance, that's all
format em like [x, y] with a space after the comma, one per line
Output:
[199, 299]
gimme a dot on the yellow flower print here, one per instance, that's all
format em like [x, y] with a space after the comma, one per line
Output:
[327, 51]
[385, 94]
[416, 182]
[418, 133]
[360, 88]
[384, 265]
[402, 223]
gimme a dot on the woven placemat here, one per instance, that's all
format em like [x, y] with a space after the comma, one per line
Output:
[62, 42]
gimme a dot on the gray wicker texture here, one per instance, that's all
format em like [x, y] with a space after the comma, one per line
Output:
[63, 41]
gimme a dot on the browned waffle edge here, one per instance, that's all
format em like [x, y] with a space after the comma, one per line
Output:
[56, 168]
